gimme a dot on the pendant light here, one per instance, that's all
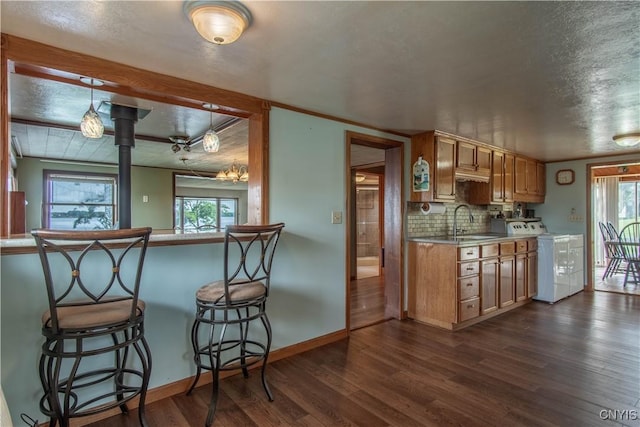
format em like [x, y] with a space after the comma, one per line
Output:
[210, 140]
[91, 124]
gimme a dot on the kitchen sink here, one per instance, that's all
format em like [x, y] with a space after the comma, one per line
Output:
[476, 236]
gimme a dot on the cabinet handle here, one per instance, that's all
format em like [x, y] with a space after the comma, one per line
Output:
[469, 284]
[471, 305]
[470, 268]
[470, 253]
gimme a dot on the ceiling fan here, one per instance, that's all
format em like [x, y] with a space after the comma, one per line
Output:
[180, 142]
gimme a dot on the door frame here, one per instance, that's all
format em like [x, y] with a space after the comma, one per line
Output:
[591, 238]
[393, 177]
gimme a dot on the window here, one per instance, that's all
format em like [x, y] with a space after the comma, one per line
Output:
[628, 203]
[193, 214]
[79, 200]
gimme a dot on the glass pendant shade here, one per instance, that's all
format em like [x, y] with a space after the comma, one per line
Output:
[220, 22]
[221, 175]
[91, 124]
[211, 141]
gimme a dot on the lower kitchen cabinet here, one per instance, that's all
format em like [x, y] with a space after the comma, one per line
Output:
[456, 285]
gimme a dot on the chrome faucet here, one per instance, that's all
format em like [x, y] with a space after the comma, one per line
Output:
[455, 219]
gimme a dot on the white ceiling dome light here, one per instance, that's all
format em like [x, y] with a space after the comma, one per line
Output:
[627, 139]
[220, 22]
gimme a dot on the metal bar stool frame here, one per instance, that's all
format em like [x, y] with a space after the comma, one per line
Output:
[236, 300]
[88, 317]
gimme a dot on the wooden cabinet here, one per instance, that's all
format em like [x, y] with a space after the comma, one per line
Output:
[500, 187]
[529, 180]
[453, 286]
[496, 176]
[444, 182]
[473, 162]
[489, 278]
[439, 151]
[507, 277]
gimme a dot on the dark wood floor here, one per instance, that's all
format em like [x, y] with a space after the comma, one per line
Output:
[539, 365]
[367, 301]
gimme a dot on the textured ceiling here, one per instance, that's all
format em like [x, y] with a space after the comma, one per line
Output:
[553, 80]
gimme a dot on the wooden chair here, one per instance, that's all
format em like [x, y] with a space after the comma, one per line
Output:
[92, 280]
[613, 252]
[630, 246]
[237, 300]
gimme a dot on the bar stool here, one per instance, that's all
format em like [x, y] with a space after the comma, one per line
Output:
[236, 300]
[94, 327]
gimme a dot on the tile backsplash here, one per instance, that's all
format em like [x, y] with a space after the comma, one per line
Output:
[419, 224]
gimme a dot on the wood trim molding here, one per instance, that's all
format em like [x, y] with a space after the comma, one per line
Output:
[59, 64]
[5, 140]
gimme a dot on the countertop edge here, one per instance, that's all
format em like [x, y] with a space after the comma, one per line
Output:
[25, 244]
[448, 240]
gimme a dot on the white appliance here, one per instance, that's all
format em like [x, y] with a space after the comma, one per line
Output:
[560, 266]
[518, 226]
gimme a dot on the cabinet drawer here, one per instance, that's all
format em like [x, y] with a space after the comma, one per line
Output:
[468, 252]
[521, 246]
[507, 248]
[487, 251]
[468, 309]
[468, 268]
[468, 287]
[533, 245]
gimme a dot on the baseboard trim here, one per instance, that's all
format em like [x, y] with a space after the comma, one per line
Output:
[181, 386]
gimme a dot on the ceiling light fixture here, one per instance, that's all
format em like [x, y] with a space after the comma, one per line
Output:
[210, 140]
[180, 142]
[91, 124]
[220, 22]
[627, 139]
[234, 174]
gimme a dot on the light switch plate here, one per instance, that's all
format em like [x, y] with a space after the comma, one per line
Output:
[336, 217]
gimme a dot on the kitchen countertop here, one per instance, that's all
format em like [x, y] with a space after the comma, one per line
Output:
[25, 243]
[468, 239]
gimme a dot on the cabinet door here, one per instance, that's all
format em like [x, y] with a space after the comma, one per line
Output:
[497, 177]
[541, 178]
[483, 161]
[520, 181]
[509, 167]
[444, 175]
[506, 296]
[532, 179]
[532, 274]
[521, 277]
[466, 156]
[489, 285]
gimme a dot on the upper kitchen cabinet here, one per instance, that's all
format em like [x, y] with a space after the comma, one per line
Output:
[473, 162]
[529, 181]
[439, 151]
[497, 176]
[500, 188]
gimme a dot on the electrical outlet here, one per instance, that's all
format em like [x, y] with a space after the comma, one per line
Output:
[336, 217]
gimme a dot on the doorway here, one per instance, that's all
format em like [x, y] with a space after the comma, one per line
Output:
[615, 196]
[374, 259]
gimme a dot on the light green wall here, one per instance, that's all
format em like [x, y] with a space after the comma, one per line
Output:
[560, 199]
[308, 295]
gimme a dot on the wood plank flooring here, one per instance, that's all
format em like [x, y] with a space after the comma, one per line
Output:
[539, 365]
[367, 301]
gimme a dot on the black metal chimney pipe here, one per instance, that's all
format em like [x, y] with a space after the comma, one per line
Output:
[124, 119]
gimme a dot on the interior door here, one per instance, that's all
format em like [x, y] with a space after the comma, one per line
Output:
[392, 249]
